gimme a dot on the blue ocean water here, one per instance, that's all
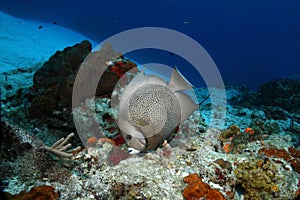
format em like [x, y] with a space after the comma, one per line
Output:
[250, 41]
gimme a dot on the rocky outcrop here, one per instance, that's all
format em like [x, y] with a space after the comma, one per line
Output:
[53, 82]
[51, 93]
[283, 93]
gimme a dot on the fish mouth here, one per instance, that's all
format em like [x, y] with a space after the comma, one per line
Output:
[133, 151]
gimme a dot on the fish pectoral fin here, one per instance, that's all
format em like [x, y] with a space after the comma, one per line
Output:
[187, 105]
[142, 123]
[178, 82]
[148, 130]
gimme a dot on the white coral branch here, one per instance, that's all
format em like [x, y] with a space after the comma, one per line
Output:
[60, 148]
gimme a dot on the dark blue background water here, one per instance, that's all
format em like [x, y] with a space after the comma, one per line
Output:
[250, 41]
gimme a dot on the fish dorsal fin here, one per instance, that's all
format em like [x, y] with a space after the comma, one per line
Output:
[187, 105]
[178, 82]
[152, 79]
[142, 79]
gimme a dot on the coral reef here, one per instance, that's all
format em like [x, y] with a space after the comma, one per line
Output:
[197, 189]
[12, 144]
[104, 117]
[51, 93]
[53, 82]
[24, 161]
[224, 164]
[258, 177]
[278, 153]
[107, 61]
[122, 191]
[95, 178]
[255, 157]
[234, 141]
[268, 177]
[61, 149]
[261, 125]
[226, 134]
[283, 93]
[275, 112]
[295, 122]
[41, 192]
[292, 155]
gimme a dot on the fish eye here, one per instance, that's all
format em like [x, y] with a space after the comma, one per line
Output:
[128, 137]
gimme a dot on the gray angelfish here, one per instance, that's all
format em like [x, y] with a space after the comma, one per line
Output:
[150, 109]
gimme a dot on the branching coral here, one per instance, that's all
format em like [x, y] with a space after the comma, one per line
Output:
[60, 149]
